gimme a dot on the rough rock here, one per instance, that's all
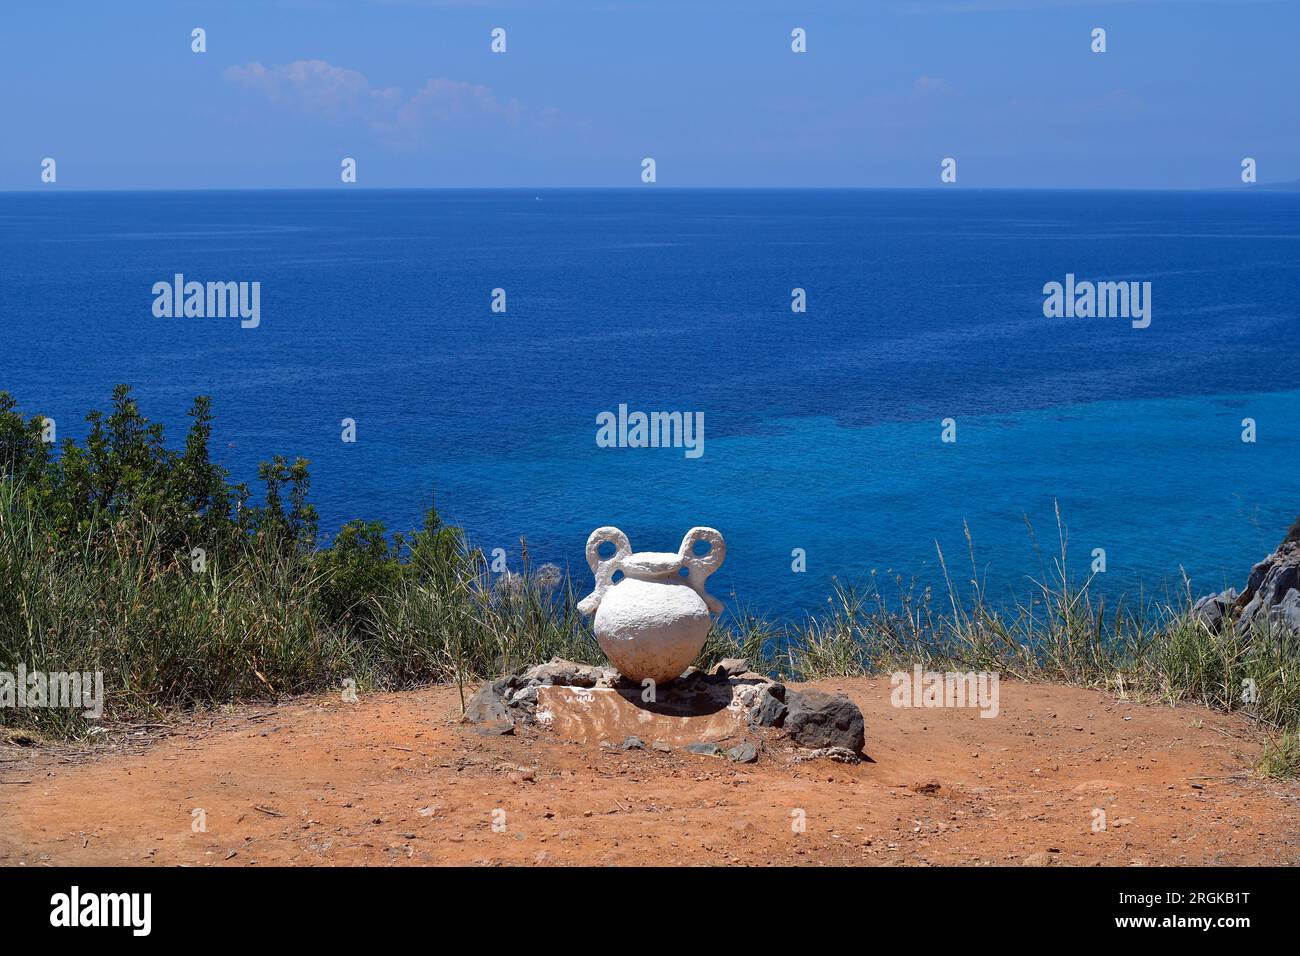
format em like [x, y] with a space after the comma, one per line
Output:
[1212, 608]
[731, 667]
[524, 696]
[769, 710]
[1270, 582]
[1287, 611]
[838, 754]
[634, 743]
[489, 705]
[564, 673]
[816, 719]
[1267, 595]
[704, 749]
[743, 753]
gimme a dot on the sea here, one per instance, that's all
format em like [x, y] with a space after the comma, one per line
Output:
[921, 423]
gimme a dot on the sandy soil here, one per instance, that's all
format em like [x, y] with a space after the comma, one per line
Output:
[394, 779]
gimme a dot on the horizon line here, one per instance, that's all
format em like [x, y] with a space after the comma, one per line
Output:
[1283, 186]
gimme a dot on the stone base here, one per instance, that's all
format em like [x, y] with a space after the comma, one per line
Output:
[609, 714]
[595, 706]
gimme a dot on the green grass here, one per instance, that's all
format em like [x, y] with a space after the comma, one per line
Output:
[95, 574]
[1281, 758]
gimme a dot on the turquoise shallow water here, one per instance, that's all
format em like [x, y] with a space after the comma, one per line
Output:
[1163, 486]
[821, 428]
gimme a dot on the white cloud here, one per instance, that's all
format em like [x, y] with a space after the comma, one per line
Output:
[315, 87]
[931, 84]
[318, 88]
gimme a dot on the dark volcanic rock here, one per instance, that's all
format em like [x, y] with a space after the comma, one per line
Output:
[816, 719]
[743, 753]
[769, 711]
[489, 705]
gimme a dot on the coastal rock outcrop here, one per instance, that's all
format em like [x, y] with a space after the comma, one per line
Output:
[1214, 607]
[1272, 592]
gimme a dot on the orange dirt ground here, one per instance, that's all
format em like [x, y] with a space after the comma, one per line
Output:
[395, 779]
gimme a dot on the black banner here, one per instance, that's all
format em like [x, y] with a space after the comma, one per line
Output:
[335, 905]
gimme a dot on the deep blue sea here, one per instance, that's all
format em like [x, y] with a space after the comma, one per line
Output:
[822, 429]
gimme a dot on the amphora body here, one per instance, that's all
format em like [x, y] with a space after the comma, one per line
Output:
[653, 622]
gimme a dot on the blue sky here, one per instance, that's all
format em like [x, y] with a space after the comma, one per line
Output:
[585, 90]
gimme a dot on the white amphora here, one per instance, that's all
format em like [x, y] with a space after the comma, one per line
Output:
[653, 622]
